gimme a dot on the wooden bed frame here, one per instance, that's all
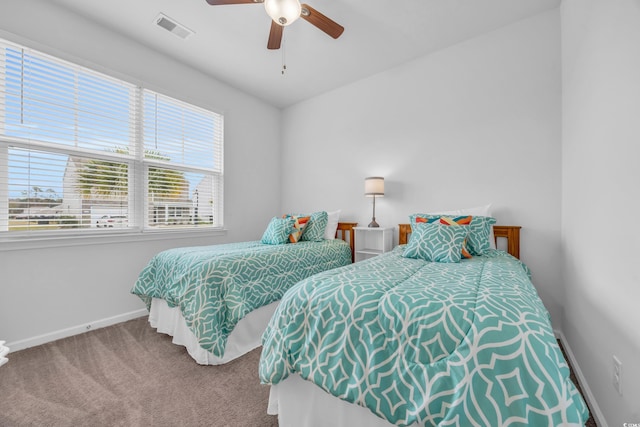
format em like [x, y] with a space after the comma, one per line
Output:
[345, 232]
[509, 232]
[245, 335]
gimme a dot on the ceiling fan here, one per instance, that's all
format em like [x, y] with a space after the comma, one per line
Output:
[283, 13]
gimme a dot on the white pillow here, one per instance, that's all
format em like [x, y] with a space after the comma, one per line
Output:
[479, 211]
[332, 224]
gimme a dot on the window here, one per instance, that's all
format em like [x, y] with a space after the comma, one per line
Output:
[81, 150]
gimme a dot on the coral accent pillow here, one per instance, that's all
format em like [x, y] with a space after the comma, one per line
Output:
[299, 224]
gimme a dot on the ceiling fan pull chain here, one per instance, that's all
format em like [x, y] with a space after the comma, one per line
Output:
[284, 49]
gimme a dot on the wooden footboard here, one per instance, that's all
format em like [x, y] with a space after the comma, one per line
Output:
[509, 232]
[345, 232]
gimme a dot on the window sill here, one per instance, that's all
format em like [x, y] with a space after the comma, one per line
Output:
[9, 243]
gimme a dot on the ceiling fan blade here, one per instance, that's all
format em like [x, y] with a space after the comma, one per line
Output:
[222, 2]
[275, 36]
[322, 22]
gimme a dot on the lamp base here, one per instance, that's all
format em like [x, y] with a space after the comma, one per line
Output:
[373, 224]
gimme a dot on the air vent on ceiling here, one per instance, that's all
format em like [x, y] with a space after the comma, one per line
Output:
[173, 26]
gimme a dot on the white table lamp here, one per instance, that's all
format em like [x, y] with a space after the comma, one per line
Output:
[374, 186]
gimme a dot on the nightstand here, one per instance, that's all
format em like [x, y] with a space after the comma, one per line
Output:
[371, 242]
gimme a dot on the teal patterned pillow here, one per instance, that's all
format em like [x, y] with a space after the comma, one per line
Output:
[278, 230]
[480, 228]
[436, 242]
[314, 231]
[478, 241]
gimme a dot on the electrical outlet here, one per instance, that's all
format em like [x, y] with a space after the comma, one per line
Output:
[617, 375]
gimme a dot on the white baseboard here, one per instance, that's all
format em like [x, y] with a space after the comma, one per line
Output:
[587, 394]
[75, 330]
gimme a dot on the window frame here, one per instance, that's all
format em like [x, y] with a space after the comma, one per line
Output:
[138, 183]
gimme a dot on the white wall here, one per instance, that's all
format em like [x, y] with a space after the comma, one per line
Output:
[44, 291]
[475, 123]
[601, 177]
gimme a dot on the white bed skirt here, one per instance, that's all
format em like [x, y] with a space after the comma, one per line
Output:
[245, 337]
[300, 403]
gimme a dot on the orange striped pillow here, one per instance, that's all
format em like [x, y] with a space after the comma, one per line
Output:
[300, 222]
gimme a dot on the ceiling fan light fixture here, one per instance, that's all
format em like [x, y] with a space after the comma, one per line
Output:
[283, 12]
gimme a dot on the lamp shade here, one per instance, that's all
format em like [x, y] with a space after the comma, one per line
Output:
[283, 12]
[374, 186]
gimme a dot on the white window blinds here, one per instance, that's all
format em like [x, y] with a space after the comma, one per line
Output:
[183, 153]
[74, 142]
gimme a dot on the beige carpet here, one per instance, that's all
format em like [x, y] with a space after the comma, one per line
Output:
[128, 375]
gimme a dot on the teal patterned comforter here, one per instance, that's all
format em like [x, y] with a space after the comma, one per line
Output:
[216, 286]
[467, 344]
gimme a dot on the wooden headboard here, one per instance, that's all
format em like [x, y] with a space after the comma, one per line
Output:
[509, 232]
[345, 232]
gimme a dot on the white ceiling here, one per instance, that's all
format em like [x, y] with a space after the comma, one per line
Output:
[230, 41]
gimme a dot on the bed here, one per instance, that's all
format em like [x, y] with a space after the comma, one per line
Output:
[217, 300]
[396, 340]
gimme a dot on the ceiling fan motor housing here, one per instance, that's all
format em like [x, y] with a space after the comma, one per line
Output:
[284, 12]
